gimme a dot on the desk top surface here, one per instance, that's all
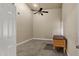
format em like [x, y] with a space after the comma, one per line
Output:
[58, 37]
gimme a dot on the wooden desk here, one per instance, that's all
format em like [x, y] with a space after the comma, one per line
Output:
[60, 41]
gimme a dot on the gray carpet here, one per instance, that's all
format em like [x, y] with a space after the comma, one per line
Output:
[39, 48]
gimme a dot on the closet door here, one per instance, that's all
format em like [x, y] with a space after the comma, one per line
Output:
[7, 29]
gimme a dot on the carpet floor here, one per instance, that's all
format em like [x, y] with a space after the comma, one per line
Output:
[39, 48]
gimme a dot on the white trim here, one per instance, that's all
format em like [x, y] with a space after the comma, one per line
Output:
[23, 42]
[41, 39]
[36, 38]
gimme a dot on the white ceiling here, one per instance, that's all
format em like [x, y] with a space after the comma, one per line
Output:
[44, 5]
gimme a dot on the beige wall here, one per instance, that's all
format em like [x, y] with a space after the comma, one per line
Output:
[70, 26]
[23, 22]
[48, 25]
[77, 7]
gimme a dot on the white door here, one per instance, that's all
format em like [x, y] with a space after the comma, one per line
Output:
[7, 29]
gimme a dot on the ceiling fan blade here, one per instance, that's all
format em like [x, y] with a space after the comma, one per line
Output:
[41, 14]
[36, 12]
[40, 9]
[45, 11]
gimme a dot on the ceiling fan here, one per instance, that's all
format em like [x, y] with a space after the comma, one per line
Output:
[41, 11]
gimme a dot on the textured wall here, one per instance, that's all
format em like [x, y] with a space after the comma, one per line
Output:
[23, 22]
[70, 26]
[47, 25]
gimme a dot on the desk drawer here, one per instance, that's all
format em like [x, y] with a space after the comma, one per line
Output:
[59, 45]
[59, 42]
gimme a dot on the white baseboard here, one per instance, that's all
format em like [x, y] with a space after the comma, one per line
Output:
[23, 42]
[32, 39]
[41, 39]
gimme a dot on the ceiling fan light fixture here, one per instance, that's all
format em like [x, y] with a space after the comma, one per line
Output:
[35, 5]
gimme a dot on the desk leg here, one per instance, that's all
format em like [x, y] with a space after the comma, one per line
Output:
[53, 47]
[64, 50]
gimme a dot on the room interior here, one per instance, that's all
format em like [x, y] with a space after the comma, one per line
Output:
[35, 29]
[39, 29]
